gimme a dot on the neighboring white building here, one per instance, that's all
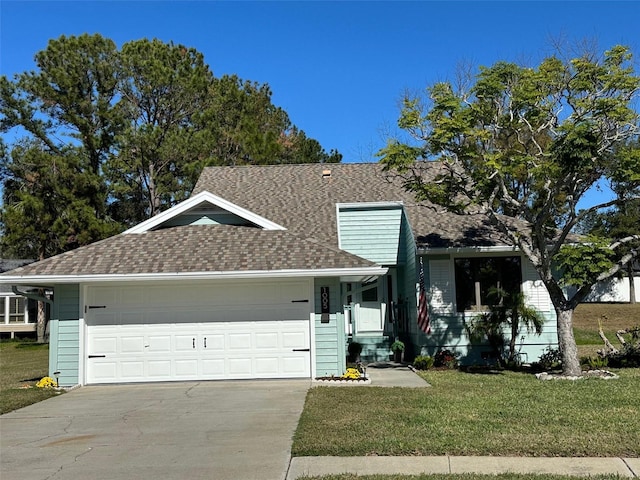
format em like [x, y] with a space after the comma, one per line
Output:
[17, 313]
[614, 290]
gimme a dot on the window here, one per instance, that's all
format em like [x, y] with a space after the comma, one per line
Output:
[16, 310]
[370, 292]
[475, 277]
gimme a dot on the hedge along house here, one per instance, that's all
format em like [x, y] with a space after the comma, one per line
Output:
[269, 272]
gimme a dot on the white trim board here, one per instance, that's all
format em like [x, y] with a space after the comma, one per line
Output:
[203, 197]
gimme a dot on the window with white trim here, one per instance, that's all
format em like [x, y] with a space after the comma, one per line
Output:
[16, 309]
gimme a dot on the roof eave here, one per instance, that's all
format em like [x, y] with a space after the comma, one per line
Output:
[354, 272]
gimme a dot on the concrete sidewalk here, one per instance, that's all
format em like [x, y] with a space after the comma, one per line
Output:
[582, 467]
[391, 374]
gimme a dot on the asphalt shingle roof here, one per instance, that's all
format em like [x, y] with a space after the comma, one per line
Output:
[301, 199]
[196, 248]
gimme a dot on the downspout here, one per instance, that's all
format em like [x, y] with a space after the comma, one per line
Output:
[31, 296]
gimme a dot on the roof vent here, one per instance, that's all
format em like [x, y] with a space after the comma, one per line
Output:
[326, 173]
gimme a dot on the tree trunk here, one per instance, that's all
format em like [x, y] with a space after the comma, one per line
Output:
[41, 327]
[567, 343]
[632, 284]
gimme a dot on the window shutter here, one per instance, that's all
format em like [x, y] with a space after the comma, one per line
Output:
[441, 289]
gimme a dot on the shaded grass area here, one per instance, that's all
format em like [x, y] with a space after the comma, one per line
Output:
[508, 413]
[22, 364]
[467, 476]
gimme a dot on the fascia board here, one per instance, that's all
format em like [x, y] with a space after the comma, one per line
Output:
[195, 201]
[468, 250]
[142, 277]
[370, 205]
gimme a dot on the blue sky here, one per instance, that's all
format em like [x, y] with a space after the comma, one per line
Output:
[337, 68]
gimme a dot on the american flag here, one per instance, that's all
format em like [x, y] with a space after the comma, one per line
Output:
[423, 307]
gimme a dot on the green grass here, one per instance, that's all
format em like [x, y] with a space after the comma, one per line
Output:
[22, 364]
[467, 476]
[475, 414]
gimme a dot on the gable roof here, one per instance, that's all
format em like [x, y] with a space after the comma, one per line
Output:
[196, 201]
[303, 198]
[197, 252]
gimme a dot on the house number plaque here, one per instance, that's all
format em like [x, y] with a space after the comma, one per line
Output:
[324, 305]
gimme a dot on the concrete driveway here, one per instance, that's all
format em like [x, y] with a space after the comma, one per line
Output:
[210, 430]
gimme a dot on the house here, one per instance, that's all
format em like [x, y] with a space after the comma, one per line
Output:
[18, 314]
[269, 272]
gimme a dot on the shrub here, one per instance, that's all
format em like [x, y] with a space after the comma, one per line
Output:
[445, 358]
[397, 346]
[549, 360]
[628, 357]
[423, 362]
[595, 363]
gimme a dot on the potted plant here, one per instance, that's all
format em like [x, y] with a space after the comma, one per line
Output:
[397, 348]
[354, 349]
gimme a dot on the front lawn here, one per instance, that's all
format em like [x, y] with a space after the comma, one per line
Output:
[22, 365]
[475, 414]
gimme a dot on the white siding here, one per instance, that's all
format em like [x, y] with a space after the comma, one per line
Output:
[441, 286]
[534, 290]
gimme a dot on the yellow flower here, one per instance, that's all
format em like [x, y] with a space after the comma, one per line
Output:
[46, 382]
[351, 373]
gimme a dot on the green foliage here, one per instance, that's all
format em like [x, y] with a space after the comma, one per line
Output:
[522, 146]
[445, 359]
[397, 346]
[506, 311]
[582, 263]
[595, 363]
[550, 359]
[629, 355]
[49, 202]
[423, 362]
[136, 126]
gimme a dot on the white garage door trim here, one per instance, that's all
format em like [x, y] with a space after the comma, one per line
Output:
[212, 331]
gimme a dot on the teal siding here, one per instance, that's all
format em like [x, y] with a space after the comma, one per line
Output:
[330, 340]
[371, 232]
[448, 326]
[64, 335]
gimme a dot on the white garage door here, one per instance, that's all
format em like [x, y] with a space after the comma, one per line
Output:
[198, 332]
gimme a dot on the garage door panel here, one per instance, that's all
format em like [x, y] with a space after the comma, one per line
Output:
[267, 365]
[131, 344]
[291, 365]
[295, 339]
[185, 343]
[106, 370]
[239, 367]
[266, 340]
[239, 341]
[157, 343]
[213, 368]
[159, 368]
[186, 368]
[105, 345]
[248, 332]
[132, 369]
